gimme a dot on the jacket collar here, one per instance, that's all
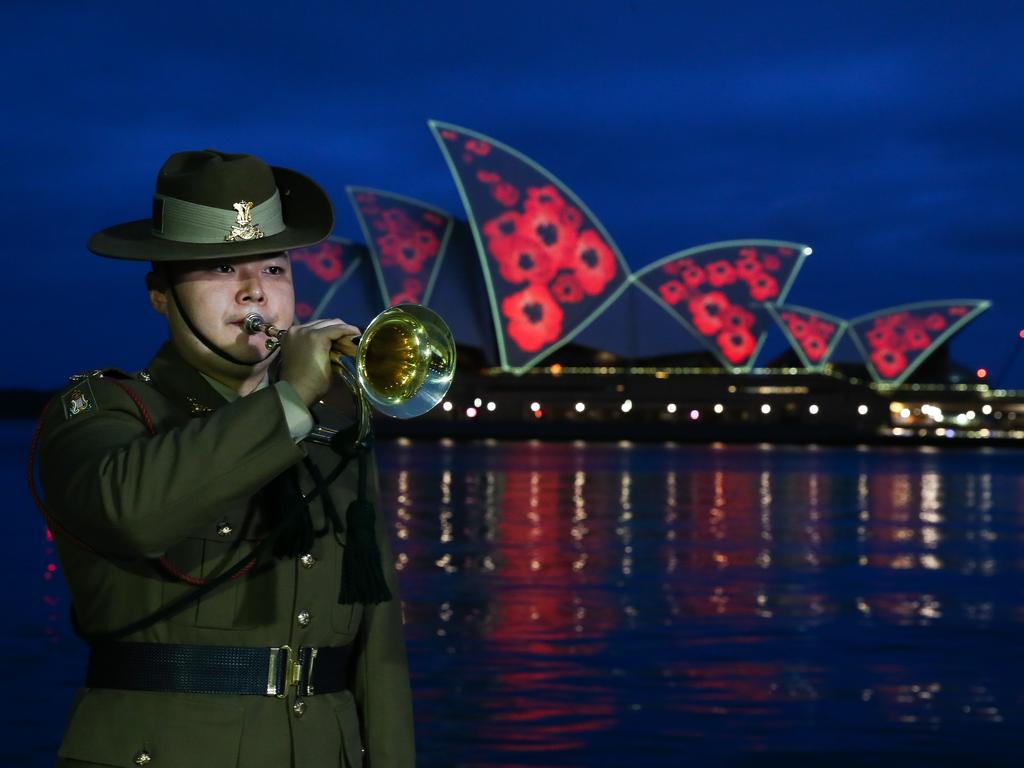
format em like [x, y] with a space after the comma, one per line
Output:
[182, 384]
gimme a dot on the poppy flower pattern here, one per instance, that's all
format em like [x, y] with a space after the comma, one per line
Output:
[407, 241]
[550, 265]
[720, 292]
[314, 270]
[895, 341]
[812, 334]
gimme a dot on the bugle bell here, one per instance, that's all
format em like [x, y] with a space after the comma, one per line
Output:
[404, 363]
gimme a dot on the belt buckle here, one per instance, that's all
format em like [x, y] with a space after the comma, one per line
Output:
[296, 671]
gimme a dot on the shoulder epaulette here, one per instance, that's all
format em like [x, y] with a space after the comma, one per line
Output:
[78, 397]
[99, 373]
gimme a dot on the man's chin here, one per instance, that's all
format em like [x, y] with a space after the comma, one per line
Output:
[252, 354]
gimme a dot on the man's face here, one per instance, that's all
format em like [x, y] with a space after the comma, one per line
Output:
[217, 295]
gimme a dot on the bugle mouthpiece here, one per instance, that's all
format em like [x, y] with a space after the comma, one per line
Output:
[254, 323]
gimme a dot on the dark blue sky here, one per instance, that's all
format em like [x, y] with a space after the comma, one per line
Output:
[887, 136]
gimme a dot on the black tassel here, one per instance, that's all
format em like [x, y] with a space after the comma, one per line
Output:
[362, 577]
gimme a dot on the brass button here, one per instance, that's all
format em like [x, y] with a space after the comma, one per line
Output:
[142, 757]
[304, 618]
[224, 528]
[299, 708]
[307, 560]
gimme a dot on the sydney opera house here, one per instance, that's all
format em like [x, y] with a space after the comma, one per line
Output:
[558, 337]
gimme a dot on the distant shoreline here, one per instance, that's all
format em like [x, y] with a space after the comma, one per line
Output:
[27, 404]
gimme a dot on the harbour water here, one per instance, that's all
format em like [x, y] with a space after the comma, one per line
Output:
[603, 604]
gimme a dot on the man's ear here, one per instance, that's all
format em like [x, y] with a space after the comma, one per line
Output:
[156, 284]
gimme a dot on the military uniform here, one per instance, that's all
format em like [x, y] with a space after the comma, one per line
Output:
[122, 496]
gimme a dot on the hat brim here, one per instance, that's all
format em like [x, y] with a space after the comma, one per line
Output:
[305, 208]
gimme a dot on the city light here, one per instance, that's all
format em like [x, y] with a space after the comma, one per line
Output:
[471, 412]
[580, 407]
[491, 406]
[671, 407]
[627, 406]
[986, 409]
[766, 409]
[535, 407]
[862, 409]
[905, 413]
[719, 407]
[694, 414]
[447, 406]
[813, 408]
[982, 373]
[477, 402]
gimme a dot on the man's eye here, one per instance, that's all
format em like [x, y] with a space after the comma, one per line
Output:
[224, 269]
[276, 270]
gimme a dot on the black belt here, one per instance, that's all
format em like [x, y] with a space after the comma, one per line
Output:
[218, 668]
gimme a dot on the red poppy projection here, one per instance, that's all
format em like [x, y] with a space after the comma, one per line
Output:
[550, 266]
[718, 292]
[407, 239]
[895, 341]
[318, 271]
[813, 335]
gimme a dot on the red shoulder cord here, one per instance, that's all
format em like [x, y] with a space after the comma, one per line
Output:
[54, 525]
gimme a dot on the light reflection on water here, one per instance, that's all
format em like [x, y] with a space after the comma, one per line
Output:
[592, 604]
[599, 604]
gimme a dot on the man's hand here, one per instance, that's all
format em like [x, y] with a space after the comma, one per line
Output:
[306, 355]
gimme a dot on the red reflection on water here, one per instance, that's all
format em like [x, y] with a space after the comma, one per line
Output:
[714, 543]
[52, 628]
[542, 620]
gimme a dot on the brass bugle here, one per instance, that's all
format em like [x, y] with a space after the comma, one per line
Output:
[404, 362]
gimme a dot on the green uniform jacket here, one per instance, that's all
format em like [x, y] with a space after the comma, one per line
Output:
[190, 492]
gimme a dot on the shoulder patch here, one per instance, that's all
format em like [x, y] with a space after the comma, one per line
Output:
[78, 399]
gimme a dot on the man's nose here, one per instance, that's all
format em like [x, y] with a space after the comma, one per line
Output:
[251, 290]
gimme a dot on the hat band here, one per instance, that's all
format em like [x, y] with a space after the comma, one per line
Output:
[186, 222]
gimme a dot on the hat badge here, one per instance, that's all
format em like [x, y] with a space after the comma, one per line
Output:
[243, 228]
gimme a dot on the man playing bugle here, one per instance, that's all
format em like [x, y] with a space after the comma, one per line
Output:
[225, 563]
